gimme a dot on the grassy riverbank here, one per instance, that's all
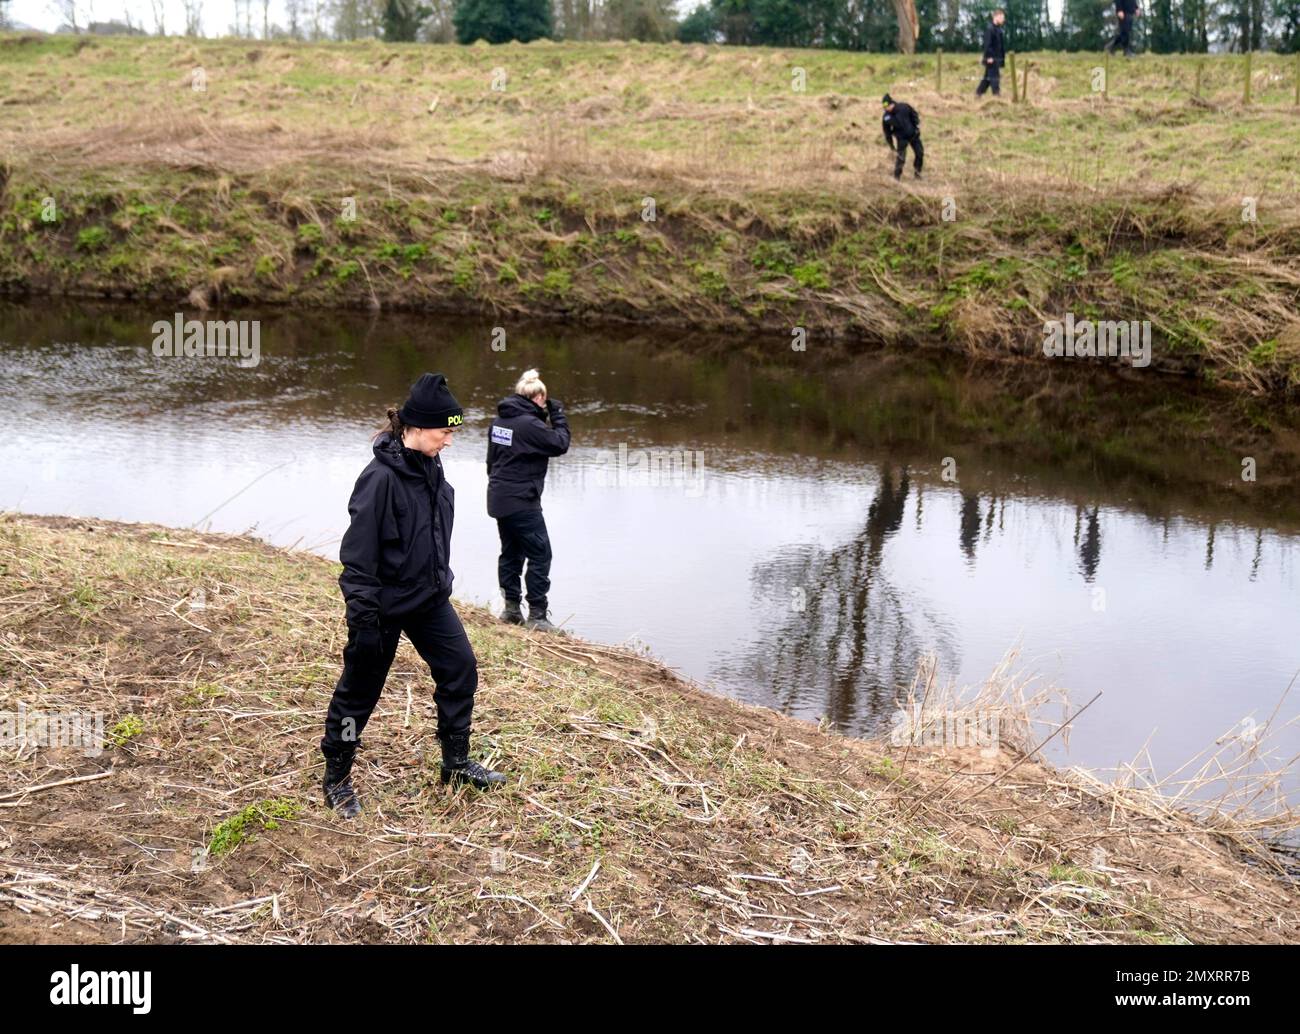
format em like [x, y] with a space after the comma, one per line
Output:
[773, 207]
[638, 808]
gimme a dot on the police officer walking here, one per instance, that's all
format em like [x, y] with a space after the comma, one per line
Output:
[1125, 12]
[396, 579]
[995, 55]
[520, 445]
[902, 123]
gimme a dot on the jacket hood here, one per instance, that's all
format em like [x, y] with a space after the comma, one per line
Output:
[392, 453]
[517, 405]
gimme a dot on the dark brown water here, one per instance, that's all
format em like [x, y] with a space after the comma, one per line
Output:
[802, 547]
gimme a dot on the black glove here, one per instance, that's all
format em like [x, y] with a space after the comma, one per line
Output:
[369, 644]
[553, 407]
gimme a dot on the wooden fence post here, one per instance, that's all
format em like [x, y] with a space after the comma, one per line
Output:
[1015, 90]
[939, 56]
[1200, 69]
[1105, 78]
[1024, 86]
[1246, 93]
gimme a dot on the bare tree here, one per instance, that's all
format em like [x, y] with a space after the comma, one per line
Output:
[159, 13]
[67, 10]
[193, 17]
[909, 26]
[437, 27]
[243, 27]
[317, 10]
[291, 9]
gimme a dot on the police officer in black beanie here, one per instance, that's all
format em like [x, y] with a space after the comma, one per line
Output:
[396, 579]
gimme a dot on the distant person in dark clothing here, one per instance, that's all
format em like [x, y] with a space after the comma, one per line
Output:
[901, 123]
[520, 445]
[1125, 12]
[995, 55]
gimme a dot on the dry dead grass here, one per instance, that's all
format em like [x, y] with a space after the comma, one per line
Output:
[638, 808]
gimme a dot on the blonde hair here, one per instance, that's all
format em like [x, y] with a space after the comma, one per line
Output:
[529, 385]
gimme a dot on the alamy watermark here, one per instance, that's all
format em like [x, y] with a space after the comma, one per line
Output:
[977, 728]
[1098, 339]
[24, 728]
[652, 467]
[195, 338]
[74, 986]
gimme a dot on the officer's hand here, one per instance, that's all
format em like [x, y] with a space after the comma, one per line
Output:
[554, 406]
[369, 644]
[1120, 15]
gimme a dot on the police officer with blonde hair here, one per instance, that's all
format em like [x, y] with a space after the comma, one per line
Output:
[529, 429]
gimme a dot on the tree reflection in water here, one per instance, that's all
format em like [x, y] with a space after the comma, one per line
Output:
[842, 633]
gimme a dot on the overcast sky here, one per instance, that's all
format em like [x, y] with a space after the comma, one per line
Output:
[218, 15]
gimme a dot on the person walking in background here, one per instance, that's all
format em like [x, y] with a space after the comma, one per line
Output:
[901, 122]
[520, 445]
[995, 55]
[1125, 12]
[396, 579]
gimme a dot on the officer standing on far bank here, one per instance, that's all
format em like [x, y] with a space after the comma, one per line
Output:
[995, 54]
[1125, 12]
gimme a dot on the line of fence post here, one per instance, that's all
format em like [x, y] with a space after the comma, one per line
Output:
[1020, 86]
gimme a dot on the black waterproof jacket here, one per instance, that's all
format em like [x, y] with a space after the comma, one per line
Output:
[519, 448]
[903, 122]
[396, 551]
[995, 45]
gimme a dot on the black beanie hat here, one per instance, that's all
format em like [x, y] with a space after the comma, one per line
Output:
[431, 404]
[886, 99]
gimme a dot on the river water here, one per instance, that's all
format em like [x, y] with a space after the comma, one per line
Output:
[782, 529]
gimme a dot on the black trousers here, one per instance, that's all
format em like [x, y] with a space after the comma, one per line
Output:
[440, 639]
[991, 80]
[523, 537]
[900, 155]
[1123, 33]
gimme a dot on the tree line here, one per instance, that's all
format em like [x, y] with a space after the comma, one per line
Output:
[1165, 27]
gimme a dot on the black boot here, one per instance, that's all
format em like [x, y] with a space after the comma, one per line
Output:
[456, 764]
[537, 619]
[337, 785]
[512, 615]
